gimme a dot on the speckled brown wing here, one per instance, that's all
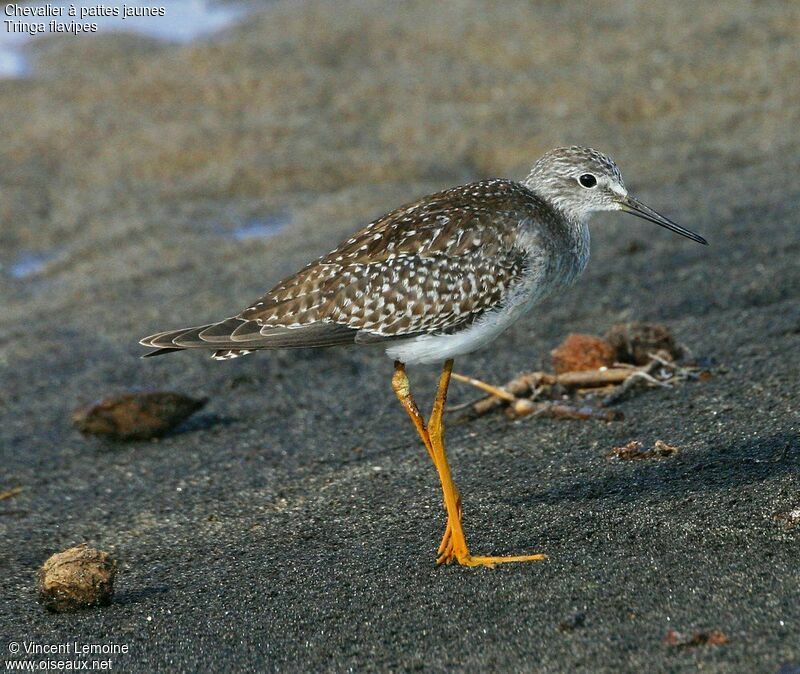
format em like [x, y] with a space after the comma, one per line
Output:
[428, 267]
[425, 267]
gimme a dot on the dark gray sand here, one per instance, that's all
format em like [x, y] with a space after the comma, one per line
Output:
[292, 524]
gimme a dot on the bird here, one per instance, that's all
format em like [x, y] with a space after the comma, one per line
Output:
[436, 279]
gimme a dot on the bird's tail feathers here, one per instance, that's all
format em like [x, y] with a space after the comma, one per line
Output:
[236, 337]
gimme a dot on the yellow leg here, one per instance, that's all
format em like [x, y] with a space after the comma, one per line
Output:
[402, 390]
[456, 547]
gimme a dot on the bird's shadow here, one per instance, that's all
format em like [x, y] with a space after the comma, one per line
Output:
[195, 424]
[137, 596]
[719, 467]
[201, 422]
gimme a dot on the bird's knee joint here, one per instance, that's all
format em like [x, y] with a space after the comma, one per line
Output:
[400, 384]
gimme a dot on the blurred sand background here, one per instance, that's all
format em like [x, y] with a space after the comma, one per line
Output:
[292, 525]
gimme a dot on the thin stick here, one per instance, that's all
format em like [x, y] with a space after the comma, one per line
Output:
[586, 378]
[10, 493]
[495, 391]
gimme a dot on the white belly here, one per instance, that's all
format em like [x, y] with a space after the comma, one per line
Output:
[438, 348]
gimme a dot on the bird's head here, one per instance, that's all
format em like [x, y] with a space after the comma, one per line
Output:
[580, 181]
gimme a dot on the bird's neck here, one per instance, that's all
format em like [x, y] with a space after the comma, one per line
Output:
[578, 235]
[578, 224]
[574, 227]
[576, 217]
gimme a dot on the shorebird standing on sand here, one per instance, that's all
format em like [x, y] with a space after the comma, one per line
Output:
[435, 279]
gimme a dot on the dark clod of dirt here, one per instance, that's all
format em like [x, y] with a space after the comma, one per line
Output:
[635, 451]
[136, 416]
[582, 352]
[634, 342]
[77, 578]
[681, 640]
[573, 622]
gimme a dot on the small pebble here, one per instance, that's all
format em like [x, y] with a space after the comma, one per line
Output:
[77, 578]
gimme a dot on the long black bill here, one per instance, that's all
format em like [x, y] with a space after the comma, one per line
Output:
[640, 210]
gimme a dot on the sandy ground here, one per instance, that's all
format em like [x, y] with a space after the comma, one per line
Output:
[292, 525]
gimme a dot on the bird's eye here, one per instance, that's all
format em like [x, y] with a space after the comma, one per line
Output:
[587, 180]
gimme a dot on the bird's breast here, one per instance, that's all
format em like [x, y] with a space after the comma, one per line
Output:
[557, 254]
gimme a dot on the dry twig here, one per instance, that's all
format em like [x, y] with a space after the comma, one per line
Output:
[10, 493]
[495, 391]
[612, 383]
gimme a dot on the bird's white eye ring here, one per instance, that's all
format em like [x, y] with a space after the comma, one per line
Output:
[588, 180]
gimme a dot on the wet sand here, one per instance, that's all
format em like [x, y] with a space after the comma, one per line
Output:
[292, 524]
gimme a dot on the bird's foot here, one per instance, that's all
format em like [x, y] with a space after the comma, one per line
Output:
[449, 551]
[449, 555]
[491, 562]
